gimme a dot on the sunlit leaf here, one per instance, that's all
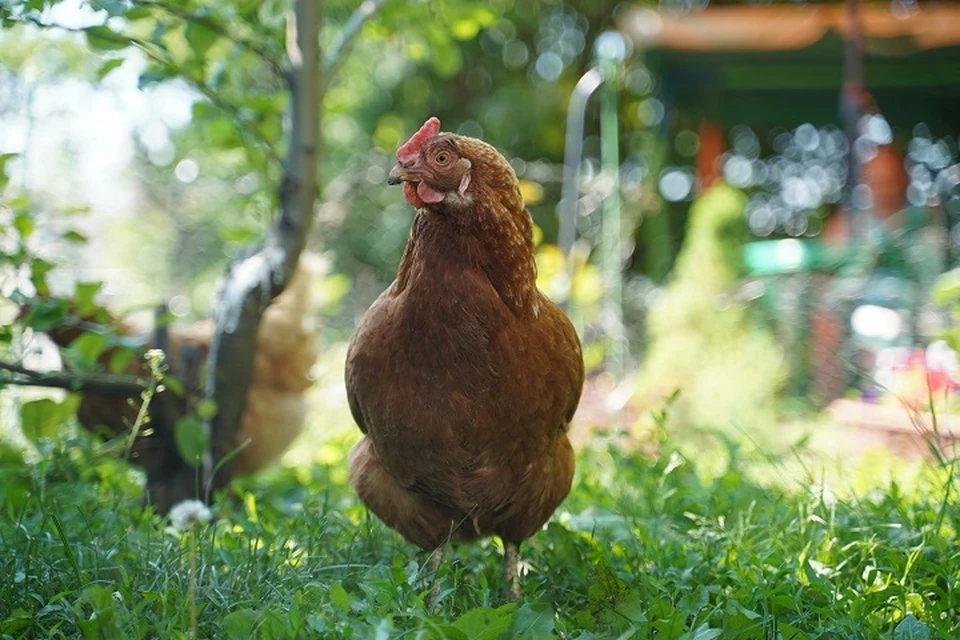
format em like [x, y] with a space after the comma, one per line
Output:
[340, 598]
[703, 632]
[75, 237]
[223, 133]
[465, 29]
[39, 269]
[138, 13]
[41, 419]
[191, 439]
[23, 223]
[206, 409]
[200, 37]
[119, 359]
[17, 620]
[83, 296]
[333, 288]
[4, 159]
[108, 66]
[88, 347]
[105, 39]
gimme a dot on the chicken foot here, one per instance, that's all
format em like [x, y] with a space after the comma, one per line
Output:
[511, 559]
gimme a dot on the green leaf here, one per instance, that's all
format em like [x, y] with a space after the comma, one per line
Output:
[465, 29]
[104, 39]
[223, 133]
[112, 7]
[200, 37]
[533, 621]
[138, 13]
[191, 439]
[317, 624]
[340, 598]
[88, 347]
[119, 359]
[108, 66]
[41, 419]
[790, 632]
[154, 75]
[17, 620]
[245, 7]
[23, 223]
[75, 237]
[173, 384]
[4, 159]
[484, 623]
[39, 269]
[84, 294]
[238, 624]
[46, 315]
[206, 409]
[703, 632]
[910, 629]
[99, 597]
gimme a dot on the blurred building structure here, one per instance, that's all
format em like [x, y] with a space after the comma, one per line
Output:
[773, 77]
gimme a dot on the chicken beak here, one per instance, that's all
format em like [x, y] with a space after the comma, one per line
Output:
[400, 174]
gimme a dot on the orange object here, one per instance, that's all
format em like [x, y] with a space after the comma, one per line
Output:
[927, 25]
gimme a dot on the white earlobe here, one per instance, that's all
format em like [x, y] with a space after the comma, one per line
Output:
[464, 183]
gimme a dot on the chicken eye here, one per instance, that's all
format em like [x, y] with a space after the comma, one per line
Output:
[442, 158]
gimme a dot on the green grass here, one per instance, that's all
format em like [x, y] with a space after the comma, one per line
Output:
[666, 548]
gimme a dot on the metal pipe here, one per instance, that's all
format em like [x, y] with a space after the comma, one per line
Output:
[850, 111]
[611, 50]
[572, 155]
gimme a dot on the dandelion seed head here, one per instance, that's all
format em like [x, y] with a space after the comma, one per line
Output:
[187, 512]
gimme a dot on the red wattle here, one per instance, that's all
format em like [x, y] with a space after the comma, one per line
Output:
[428, 193]
[410, 193]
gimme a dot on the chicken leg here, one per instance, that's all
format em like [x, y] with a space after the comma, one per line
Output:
[433, 567]
[511, 576]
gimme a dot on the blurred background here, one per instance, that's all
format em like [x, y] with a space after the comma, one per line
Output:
[756, 225]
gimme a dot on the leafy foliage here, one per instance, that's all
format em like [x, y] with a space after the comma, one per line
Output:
[674, 547]
[642, 548]
[702, 340]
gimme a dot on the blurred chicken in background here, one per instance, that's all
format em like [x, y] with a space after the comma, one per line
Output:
[275, 405]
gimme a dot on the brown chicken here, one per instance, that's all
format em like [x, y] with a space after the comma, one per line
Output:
[462, 375]
[275, 405]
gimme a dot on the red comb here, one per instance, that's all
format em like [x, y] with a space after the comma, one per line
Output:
[411, 149]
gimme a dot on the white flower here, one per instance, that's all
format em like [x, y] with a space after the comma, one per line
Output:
[187, 512]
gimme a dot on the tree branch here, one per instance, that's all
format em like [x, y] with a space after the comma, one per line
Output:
[338, 51]
[107, 385]
[251, 283]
